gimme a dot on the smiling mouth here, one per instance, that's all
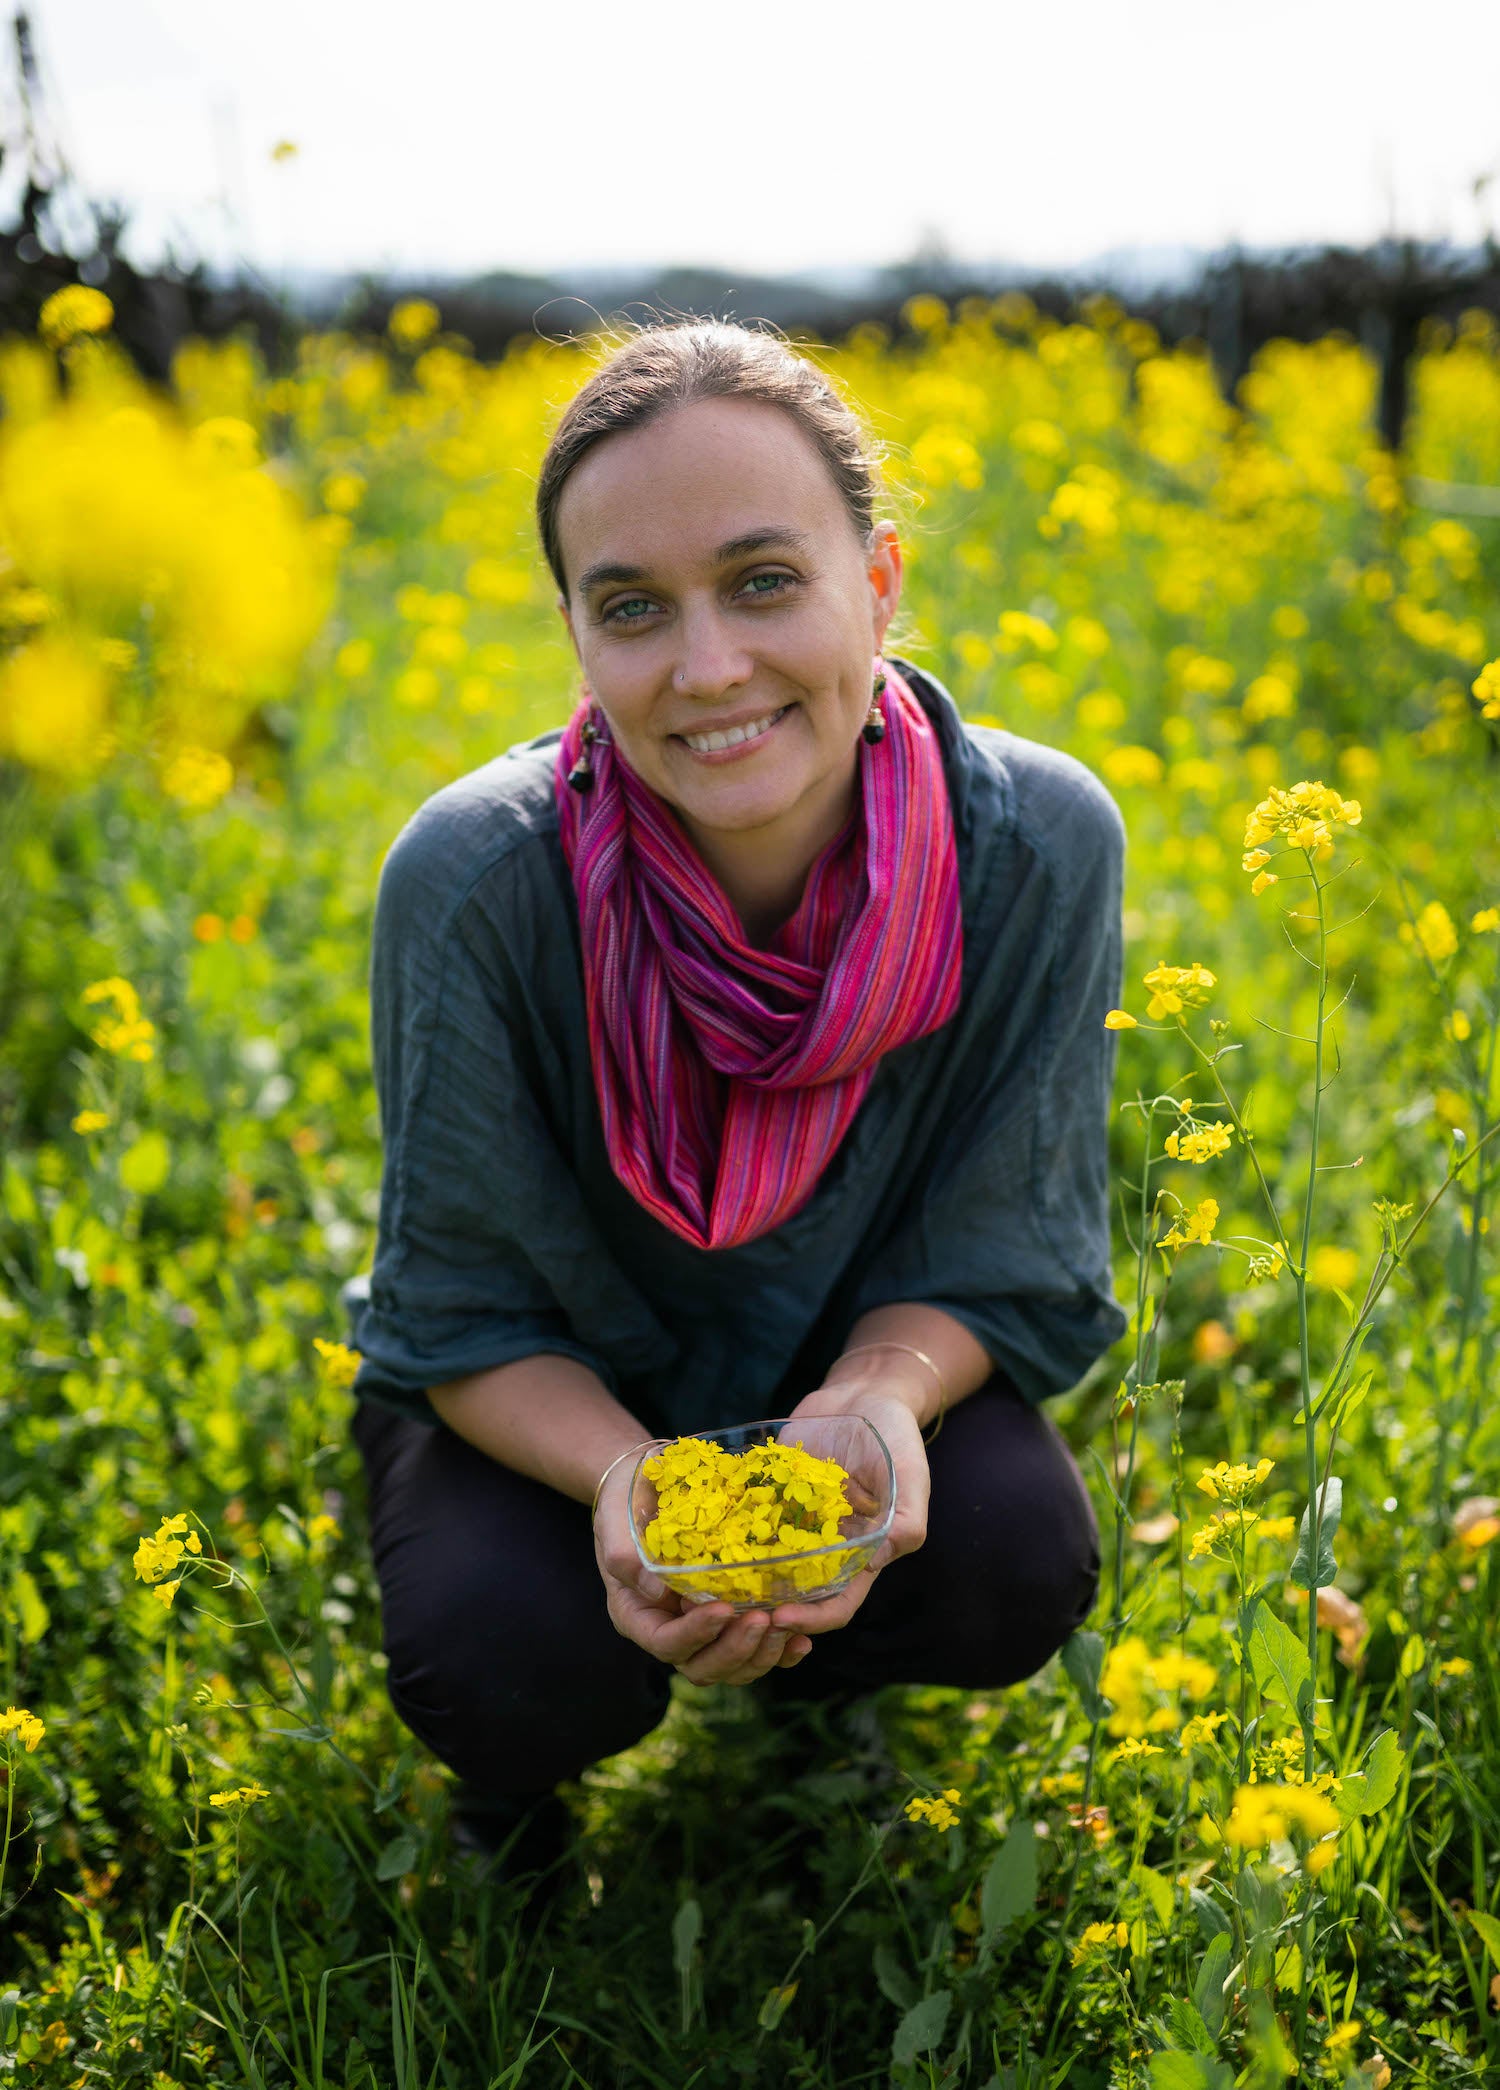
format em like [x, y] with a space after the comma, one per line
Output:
[739, 736]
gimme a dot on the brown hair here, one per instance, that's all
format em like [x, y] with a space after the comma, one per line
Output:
[673, 362]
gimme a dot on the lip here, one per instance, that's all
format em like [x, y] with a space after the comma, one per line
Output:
[741, 747]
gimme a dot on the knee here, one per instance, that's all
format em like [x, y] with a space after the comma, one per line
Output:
[514, 1693]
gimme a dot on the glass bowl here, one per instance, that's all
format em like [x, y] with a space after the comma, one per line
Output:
[783, 1578]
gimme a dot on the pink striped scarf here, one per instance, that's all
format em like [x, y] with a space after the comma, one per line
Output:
[727, 1075]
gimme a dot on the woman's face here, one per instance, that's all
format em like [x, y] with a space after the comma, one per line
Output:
[715, 579]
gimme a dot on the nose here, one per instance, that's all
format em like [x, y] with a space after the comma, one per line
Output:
[710, 657]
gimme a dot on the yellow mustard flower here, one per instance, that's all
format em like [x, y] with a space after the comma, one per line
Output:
[1487, 688]
[26, 1727]
[743, 1507]
[1198, 1142]
[126, 1033]
[337, 1363]
[1486, 922]
[1203, 1727]
[1095, 1938]
[1300, 818]
[1231, 1484]
[76, 309]
[1264, 1814]
[1120, 1019]
[91, 1121]
[1192, 1227]
[941, 1813]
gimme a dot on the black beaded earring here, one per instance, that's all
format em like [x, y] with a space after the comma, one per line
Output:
[581, 775]
[873, 729]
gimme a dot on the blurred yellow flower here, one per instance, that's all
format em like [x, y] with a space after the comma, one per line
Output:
[197, 777]
[1486, 922]
[338, 1365]
[91, 1121]
[413, 321]
[1264, 1814]
[126, 1033]
[1120, 1019]
[1487, 689]
[54, 705]
[1336, 1268]
[1202, 1728]
[1436, 933]
[74, 310]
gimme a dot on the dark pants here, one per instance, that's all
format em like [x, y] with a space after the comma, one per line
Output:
[503, 1659]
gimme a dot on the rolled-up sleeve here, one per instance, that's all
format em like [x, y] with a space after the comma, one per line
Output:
[468, 1159]
[1011, 1231]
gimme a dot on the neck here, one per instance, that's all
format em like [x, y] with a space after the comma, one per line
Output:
[762, 871]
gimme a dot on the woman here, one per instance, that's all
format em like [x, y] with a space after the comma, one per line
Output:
[740, 1052]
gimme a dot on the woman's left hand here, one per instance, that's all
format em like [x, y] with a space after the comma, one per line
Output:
[893, 1418]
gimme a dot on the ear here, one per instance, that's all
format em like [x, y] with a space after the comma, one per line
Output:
[885, 571]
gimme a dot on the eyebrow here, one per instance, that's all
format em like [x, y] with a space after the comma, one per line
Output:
[609, 573]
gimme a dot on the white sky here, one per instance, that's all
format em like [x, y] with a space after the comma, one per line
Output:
[471, 134]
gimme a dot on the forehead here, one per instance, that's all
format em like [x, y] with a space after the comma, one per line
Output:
[691, 480]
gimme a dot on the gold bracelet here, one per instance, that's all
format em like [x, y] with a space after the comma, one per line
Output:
[609, 1469]
[922, 1358]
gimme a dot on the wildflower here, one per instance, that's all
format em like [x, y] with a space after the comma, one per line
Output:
[1219, 1531]
[744, 1507]
[322, 1527]
[197, 778]
[53, 2043]
[1198, 1142]
[1435, 932]
[239, 1795]
[1099, 1937]
[165, 1593]
[1276, 1527]
[1457, 1667]
[1212, 1343]
[1196, 1226]
[413, 322]
[91, 1121]
[940, 1812]
[74, 310]
[1486, 687]
[1134, 1750]
[1336, 1268]
[1120, 1019]
[338, 1364]
[160, 1553]
[1177, 987]
[1300, 818]
[1264, 1814]
[126, 1033]
[1094, 1822]
[1339, 2045]
[1200, 1729]
[1262, 1269]
[26, 1727]
[1486, 922]
[1176, 1671]
[1226, 1483]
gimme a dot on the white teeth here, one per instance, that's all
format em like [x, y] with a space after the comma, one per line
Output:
[706, 742]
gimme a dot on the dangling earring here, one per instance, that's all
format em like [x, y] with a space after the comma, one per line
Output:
[581, 775]
[873, 729]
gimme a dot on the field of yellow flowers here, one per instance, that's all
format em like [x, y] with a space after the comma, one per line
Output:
[1247, 1830]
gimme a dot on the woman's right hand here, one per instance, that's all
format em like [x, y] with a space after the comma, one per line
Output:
[706, 1643]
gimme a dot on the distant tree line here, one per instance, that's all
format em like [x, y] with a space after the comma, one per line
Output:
[1379, 295]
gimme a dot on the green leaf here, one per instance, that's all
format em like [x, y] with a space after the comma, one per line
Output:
[1083, 1663]
[922, 2027]
[1190, 2072]
[1212, 1920]
[1277, 1656]
[1331, 1505]
[1384, 1762]
[687, 1927]
[398, 1857]
[1157, 1892]
[1489, 1930]
[1208, 1986]
[775, 2007]
[1009, 1888]
[1188, 2027]
[145, 1164]
[892, 1979]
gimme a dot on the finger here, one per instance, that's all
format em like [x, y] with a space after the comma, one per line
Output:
[798, 1647]
[743, 1651]
[831, 1613]
[671, 1637]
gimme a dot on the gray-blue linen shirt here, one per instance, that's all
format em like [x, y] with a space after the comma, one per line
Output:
[972, 1177]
